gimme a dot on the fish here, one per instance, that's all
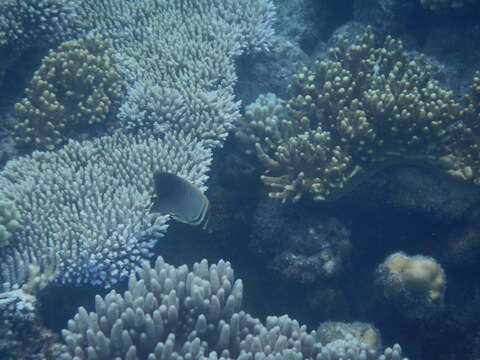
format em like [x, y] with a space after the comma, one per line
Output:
[183, 201]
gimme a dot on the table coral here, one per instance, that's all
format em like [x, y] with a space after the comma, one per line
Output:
[84, 209]
[179, 56]
[75, 86]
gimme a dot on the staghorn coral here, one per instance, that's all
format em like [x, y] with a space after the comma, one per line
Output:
[172, 313]
[361, 108]
[85, 209]
[179, 57]
[74, 87]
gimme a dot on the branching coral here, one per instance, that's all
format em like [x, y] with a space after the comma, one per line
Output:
[362, 107]
[179, 57]
[463, 138]
[74, 86]
[85, 209]
[25, 23]
[172, 313]
[9, 217]
[471, 113]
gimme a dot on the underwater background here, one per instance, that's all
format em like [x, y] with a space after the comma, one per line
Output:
[325, 198]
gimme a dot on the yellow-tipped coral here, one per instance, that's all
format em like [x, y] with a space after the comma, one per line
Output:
[74, 87]
[361, 108]
[414, 283]
[463, 138]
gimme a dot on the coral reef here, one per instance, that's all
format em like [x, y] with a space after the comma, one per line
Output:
[471, 113]
[85, 209]
[361, 108]
[173, 313]
[25, 23]
[463, 141]
[439, 5]
[21, 328]
[423, 191]
[73, 88]
[368, 334]
[182, 80]
[329, 303]
[416, 284]
[462, 245]
[306, 250]
[9, 219]
[8, 149]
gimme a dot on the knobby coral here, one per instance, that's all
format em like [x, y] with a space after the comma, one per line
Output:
[73, 88]
[174, 313]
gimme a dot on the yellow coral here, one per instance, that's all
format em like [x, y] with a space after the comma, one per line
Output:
[73, 88]
[362, 107]
[419, 274]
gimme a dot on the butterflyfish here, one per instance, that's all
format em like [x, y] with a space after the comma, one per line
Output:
[179, 198]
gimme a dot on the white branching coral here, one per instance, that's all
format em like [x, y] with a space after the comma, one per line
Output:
[85, 209]
[24, 23]
[173, 313]
[179, 56]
